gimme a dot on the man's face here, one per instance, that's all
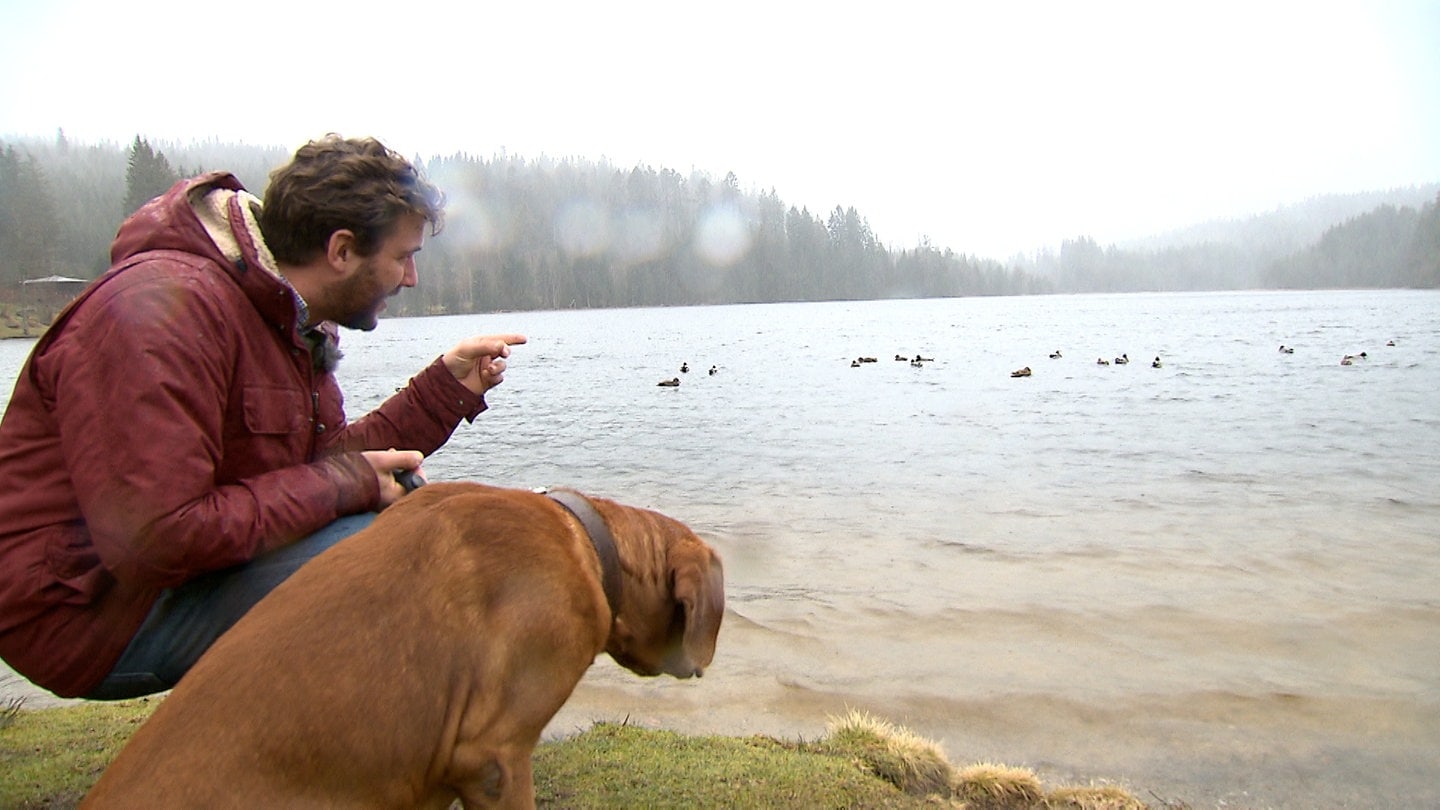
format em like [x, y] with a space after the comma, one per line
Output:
[359, 298]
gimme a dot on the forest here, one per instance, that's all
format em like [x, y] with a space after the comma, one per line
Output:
[545, 233]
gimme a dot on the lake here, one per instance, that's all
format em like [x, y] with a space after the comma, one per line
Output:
[1215, 581]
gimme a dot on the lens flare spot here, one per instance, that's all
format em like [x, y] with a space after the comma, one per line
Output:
[475, 224]
[721, 235]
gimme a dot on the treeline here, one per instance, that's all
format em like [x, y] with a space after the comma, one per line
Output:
[1390, 247]
[61, 203]
[562, 233]
[520, 233]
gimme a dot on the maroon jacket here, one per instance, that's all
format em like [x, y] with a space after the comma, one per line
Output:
[171, 423]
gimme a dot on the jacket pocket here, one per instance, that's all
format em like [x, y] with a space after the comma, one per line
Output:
[272, 410]
[73, 562]
[70, 554]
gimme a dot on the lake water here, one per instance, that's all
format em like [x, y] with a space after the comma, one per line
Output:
[1217, 581]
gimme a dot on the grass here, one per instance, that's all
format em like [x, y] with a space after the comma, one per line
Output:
[50, 757]
[23, 321]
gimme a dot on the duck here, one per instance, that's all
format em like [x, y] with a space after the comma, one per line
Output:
[1055, 354]
[684, 368]
[1155, 363]
[1100, 361]
[902, 358]
[1389, 343]
[1021, 372]
[918, 363]
[1286, 349]
[1122, 359]
[866, 360]
[919, 359]
[673, 382]
[714, 371]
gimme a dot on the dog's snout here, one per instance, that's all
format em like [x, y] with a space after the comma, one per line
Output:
[685, 672]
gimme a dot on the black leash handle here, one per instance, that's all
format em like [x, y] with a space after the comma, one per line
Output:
[409, 479]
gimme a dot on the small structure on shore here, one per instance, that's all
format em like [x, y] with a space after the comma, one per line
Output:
[29, 311]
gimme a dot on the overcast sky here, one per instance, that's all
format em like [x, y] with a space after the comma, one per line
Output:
[989, 127]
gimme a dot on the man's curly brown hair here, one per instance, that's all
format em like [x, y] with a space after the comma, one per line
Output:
[335, 183]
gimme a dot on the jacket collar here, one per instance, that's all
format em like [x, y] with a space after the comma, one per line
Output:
[231, 220]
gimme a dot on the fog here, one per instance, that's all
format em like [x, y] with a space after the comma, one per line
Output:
[990, 128]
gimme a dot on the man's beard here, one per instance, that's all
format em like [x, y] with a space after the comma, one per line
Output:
[359, 298]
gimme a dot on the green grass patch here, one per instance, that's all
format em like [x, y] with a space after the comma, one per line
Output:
[49, 758]
[615, 766]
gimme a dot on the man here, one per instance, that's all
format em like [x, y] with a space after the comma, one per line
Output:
[176, 444]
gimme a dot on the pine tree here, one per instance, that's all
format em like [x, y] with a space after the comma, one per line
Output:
[27, 219]
[148, 177]
[1423, 263]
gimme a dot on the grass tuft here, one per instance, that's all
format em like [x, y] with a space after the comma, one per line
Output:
[911, 763]
[988, 785]
[10, 707]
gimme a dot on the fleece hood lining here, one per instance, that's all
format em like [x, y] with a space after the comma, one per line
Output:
[212, 207]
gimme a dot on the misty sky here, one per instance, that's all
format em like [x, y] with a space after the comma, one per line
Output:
[990, 127]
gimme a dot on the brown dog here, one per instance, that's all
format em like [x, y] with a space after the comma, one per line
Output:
[419, 660]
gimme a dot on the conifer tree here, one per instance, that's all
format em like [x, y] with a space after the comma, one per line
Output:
[1423, 263]
[148, 177]
[27, 219]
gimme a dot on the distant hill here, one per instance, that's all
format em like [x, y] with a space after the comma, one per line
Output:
[1287, 228]
[1367, 239]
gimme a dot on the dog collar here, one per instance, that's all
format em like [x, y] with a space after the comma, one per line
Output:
[600, 537]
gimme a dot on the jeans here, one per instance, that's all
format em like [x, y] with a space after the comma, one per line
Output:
[186, 620]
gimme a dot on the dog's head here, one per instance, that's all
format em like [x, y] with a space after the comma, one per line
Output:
[673, 595]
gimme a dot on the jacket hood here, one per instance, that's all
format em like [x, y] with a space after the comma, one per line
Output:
[214, 217]
[169, 222]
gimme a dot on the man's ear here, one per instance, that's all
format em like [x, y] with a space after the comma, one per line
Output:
[340, 251]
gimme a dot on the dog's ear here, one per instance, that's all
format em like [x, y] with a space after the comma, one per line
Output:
[699, 591]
